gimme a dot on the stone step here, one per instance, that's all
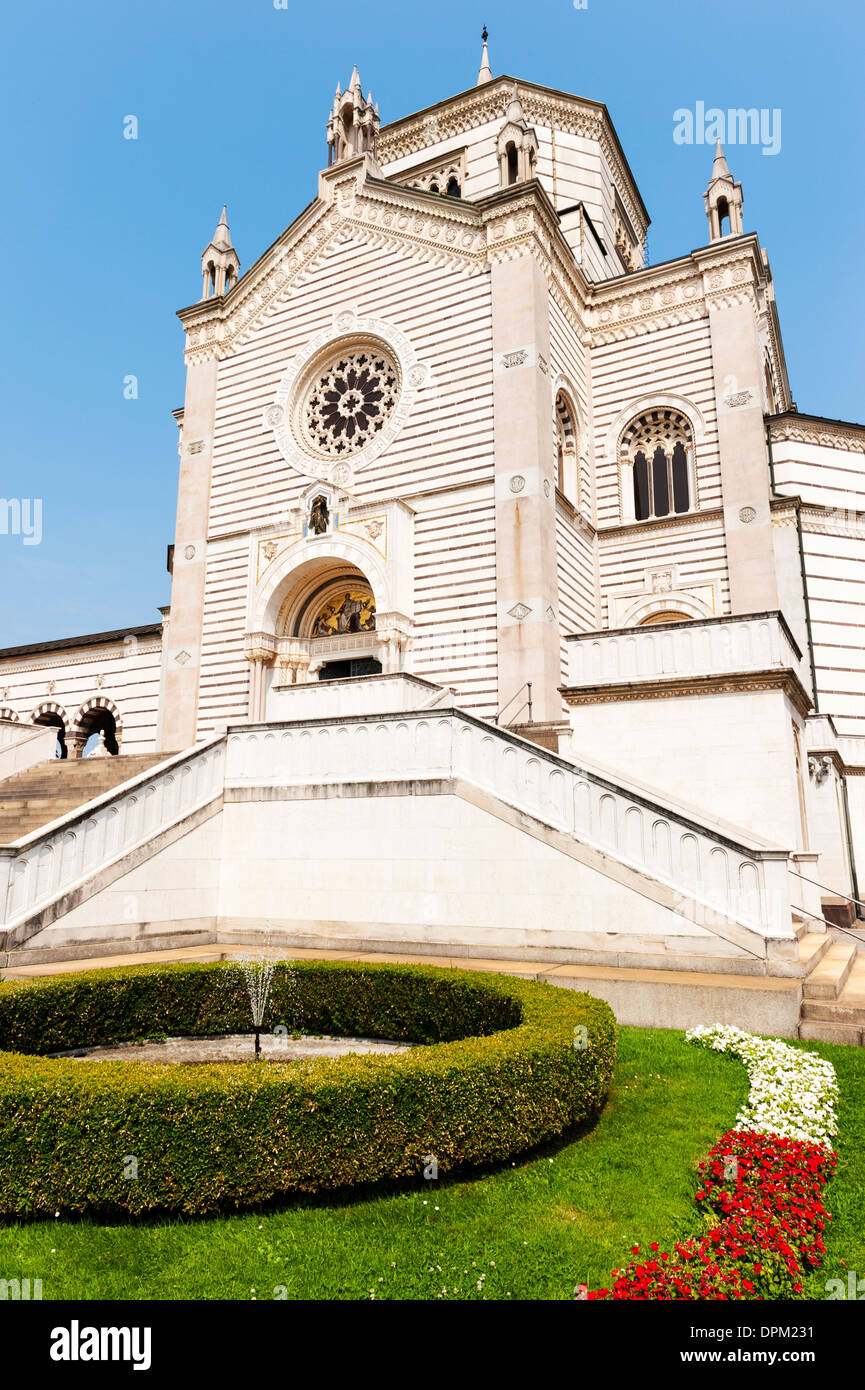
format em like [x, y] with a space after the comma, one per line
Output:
[829, 976]
[812, 948]
[805, 926]
[49, 791]
[815, 1031]
[849, 1007]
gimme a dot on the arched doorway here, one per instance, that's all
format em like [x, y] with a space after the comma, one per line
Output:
[97, 726]
[54, 716]
[326, 609]
[330, 619]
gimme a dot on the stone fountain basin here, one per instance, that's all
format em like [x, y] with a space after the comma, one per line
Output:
[233, 1047]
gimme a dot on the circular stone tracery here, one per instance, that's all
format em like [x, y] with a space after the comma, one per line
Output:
[350, 401]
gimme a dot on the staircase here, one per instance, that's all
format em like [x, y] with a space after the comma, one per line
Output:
[833, 995]
[53, 789]
[722, 939]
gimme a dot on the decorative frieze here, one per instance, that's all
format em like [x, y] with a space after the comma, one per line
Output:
[825, 435]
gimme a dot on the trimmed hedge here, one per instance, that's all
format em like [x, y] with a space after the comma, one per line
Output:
[505, 1069]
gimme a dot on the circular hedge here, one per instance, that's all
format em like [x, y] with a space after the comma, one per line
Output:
[507, 1064]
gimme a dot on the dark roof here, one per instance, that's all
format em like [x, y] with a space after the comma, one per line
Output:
[793, 415]
[90, 639]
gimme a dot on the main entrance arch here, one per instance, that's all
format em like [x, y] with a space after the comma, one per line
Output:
[325, 614]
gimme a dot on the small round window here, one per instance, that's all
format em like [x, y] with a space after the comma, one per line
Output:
[349, 401]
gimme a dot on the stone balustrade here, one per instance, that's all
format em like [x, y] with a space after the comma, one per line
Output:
[24, 745]
[52, 861]
[711, 873]
[712, 646]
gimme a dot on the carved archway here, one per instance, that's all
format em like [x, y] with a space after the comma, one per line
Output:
[323, 610]
[298, 569]
[49, 712]
[97, 715]
[673, 608]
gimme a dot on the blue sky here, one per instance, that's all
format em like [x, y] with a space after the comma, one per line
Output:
[101, 237]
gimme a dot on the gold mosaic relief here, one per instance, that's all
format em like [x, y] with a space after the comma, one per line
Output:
[269, 549]
[351, 611]
[372, 529]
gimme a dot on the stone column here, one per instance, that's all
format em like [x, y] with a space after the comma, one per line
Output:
[745, 485]
[75, 744]
[183, 657]
[526, 577]
[259, 649]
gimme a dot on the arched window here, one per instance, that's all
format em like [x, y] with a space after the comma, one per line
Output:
[665, 615]
[433, 188]
[565, 457]
[658, 447]
[454, 189]
[513, 169]
[724, 217]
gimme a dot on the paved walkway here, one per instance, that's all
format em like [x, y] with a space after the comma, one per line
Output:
[566, 975]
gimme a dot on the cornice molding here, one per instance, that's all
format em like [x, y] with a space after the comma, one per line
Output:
[662, 527]
[652, 299]
[830, 521]
[9, 669]
[674, 687]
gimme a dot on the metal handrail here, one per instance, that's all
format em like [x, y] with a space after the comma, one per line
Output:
[826, 889]
[832, 925]
[527, 685]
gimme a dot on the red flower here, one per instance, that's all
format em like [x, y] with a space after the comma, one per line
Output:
[773, 1204]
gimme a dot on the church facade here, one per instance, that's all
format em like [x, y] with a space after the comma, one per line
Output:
[452, 451]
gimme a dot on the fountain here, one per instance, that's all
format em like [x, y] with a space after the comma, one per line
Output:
[258, 977]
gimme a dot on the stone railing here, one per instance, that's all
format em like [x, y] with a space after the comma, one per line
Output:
[706, 874]
[712, 646]
[379, 694]
[52, 861]
[711, 873]
[24, 745]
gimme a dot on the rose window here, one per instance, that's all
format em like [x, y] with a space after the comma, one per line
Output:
[350, 401]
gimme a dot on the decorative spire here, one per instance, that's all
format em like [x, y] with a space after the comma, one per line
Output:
[485, 73]
[515, 110]
[723, 200]
[222, 236]
[354, 121]
[220, 263]
[719, 168]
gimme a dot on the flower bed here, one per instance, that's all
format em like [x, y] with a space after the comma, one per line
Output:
[503, 1064]
[760, 1187]
[793, 1094]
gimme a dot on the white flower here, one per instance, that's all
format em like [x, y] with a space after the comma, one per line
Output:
[793, 1094]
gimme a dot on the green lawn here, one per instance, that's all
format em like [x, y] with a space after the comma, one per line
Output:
[534, 1229]
[845, 1195]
